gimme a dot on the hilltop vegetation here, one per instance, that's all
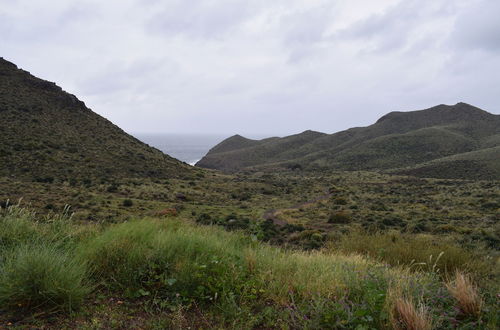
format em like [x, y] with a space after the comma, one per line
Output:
[417, 142]
[48, 134]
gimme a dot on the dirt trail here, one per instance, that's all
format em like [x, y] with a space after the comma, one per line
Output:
[272, 214]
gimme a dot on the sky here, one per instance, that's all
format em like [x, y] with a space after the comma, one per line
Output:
[258, 66]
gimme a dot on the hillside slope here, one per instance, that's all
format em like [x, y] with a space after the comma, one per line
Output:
[397, 140]
[479, 164]
[48, 134]
[238, 152]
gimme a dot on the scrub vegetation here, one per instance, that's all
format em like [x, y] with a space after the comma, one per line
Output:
[173, 273]
[98, 230]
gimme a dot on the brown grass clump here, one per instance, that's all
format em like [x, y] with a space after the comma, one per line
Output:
[465, 292]
[405, 316]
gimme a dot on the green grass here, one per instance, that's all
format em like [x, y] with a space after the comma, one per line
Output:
[41, 277]
[420, 252]
[179, 264]
[192, 275]
[23, 226]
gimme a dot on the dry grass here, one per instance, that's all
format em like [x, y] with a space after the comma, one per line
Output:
[466, 293]
[404, 313]
[406, 316]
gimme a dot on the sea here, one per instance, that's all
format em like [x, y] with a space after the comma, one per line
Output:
[189, 148]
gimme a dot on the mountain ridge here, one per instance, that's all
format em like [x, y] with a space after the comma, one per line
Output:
[396, 140]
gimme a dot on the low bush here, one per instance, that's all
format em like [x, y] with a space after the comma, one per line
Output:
[341, 217]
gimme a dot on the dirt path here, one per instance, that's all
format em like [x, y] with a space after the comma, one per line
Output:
[272, 214]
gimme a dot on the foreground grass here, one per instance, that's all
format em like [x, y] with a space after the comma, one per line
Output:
[416, 251]
[185, 275]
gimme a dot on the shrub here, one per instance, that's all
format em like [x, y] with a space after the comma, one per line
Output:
[340, 201]
[47, 179]
[204, 218]
[393, 221]
[39, 277]
[112, 188]
[490, 205]
[127, 202]
[340, 217]
[378, 206]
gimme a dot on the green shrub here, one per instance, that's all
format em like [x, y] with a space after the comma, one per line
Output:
[340, 217]
[340, 201]
[40, 277]
[204, 219]
[127, 202]
[490, 205]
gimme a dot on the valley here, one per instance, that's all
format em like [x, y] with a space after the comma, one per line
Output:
[390, 226]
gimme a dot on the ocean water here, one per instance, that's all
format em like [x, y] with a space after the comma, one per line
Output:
[188, 148]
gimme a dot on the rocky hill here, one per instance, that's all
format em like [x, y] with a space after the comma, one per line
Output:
[403, 142]
[49, 135]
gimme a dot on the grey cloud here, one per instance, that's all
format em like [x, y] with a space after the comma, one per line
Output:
[478, 27]
[399, 26]
[198, 18]
[307, 26]
[306, 30]
[244, 66]
[45, 23]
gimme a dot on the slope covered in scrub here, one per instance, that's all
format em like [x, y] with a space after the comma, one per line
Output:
[48, 134]
[396, 140]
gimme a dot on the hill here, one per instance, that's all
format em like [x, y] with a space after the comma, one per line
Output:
[396, 140]
[242, 152]
[49, 135]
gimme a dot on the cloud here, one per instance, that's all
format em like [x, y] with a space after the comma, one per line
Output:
[271, 67]
[401, 25]
[198, 18]
[478, 27]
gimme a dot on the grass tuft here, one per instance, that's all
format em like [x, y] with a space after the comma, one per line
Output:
[34, 277]
[405, 315]
[466, 294]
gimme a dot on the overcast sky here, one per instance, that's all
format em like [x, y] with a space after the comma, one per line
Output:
[258, 66]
